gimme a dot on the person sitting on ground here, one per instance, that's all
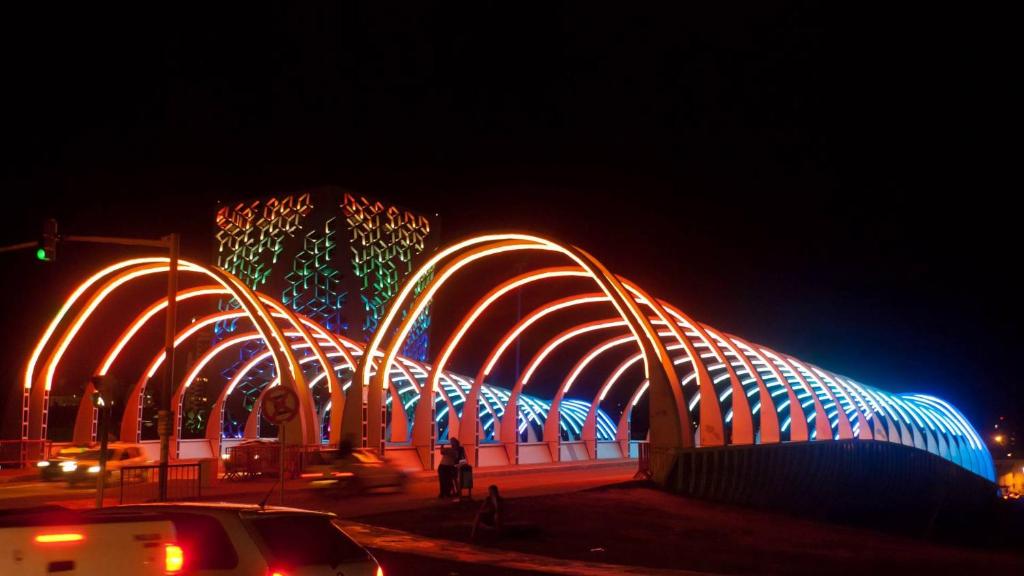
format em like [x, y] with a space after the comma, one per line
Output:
[490, 513]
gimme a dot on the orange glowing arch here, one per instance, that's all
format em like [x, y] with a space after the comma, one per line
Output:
[668, 425]
[38, 380]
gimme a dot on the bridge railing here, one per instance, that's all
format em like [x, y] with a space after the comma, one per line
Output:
[23, 453]
[264, 459]
[643, 461]
[142, 483]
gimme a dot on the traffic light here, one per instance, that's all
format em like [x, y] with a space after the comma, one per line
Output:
[47, 251]
[105, 386]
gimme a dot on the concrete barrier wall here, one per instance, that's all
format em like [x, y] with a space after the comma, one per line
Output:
[573, 451]
[534, 453]
[609, 450]
[880, 484]
[151, 448]
[193, 449]
[492, 455]
[404, 457]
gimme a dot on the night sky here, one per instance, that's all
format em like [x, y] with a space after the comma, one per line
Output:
[822, 180]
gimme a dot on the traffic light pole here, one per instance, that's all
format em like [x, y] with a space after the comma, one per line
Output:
[104, 431]
[16, 247]
[172, 243]
[165, 414]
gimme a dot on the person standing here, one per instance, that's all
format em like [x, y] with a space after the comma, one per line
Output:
[446, 469]
[463, 472]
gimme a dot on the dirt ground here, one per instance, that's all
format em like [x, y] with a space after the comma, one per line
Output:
[637, 525]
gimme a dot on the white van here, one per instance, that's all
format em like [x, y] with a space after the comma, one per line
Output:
[54, 540]
[222, 538]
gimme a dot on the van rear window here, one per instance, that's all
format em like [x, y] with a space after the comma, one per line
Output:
[305, 540]
[207, 546]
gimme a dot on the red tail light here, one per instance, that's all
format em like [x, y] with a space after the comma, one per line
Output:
[174, 559]
[65, 537]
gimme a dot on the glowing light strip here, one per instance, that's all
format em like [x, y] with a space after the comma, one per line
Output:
[184, 266]
[680, 318]
[541, 244]
[94, 302]
[528, 321]
[144, 317]
[256, 305]
[618, 373]
[413, 281]
[969, 432]
[192, 328]
[788, 372]
[210, 354]
[424, 298]
[640, 394]
[594, 353]
[481, 307]
[559, 340]
[823, 395]
[68, 303]
[195, 327]
[848, 406]
[244, 371]
[317, 350]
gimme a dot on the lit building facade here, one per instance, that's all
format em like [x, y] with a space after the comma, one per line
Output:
[330, 255]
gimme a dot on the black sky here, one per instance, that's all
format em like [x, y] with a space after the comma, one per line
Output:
[821, 179]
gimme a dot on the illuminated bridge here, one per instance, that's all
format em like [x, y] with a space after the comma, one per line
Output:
[703, 389]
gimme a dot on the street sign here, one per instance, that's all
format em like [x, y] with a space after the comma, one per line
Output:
[280, 405]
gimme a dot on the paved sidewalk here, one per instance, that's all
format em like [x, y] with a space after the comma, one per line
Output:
[499, 471]
[407, 543]
[19, 475]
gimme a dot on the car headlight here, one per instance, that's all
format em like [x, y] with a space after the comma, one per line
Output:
[42, 463]
[69, 466]
[94, 469]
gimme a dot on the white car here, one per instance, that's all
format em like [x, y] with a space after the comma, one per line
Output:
[86, 466]
[221, 539]
[361, 471]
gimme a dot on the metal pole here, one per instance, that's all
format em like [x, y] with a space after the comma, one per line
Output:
[21, 246]
[282, 427]
[104, 424]
[165, 415]
[519, 316]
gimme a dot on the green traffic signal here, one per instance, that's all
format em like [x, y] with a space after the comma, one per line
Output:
[47, 251]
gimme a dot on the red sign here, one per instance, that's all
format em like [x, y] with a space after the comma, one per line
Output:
[280, 405]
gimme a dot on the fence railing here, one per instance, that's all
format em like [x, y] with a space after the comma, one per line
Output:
[23, 453]
[643, 461]
[264, 459]
[142, 483]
